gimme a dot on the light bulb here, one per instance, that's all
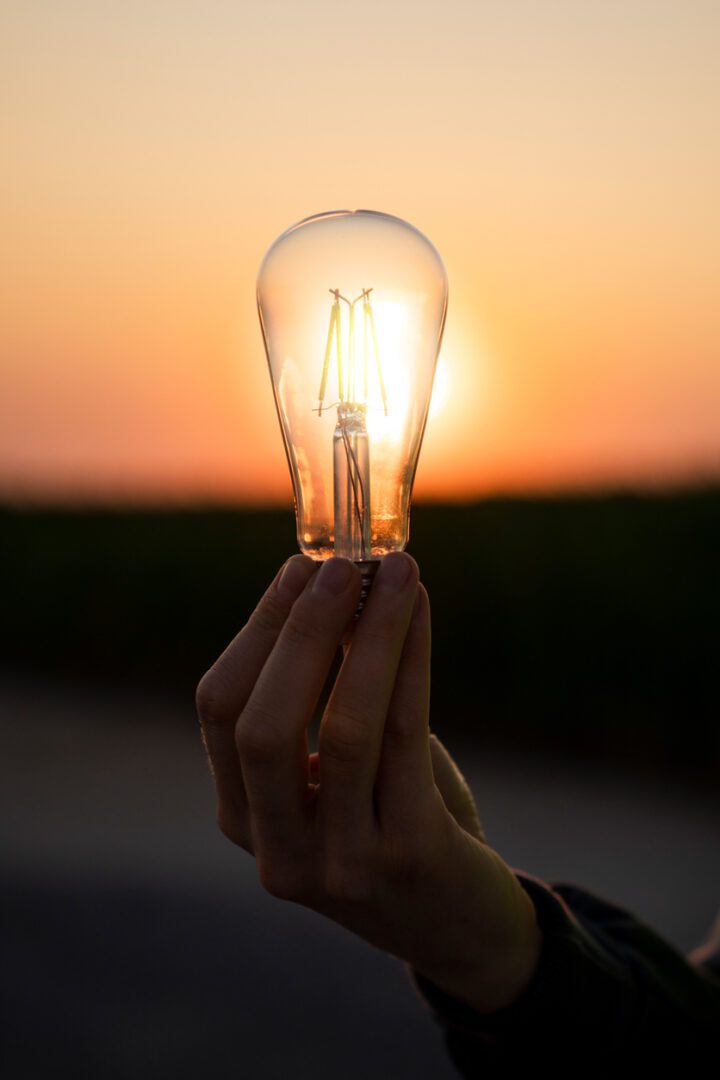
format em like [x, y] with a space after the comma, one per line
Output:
[352, 306]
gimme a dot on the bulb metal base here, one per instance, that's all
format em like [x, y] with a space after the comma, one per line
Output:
[368, 569]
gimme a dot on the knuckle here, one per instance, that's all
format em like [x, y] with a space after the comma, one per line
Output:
[232, 828]
[350, 714]
[301, 628]
[283, 880]
[378, 634]
[209, 699]
[348, 881]
[268, 617]
[405, 861]
[399, 735]
[344, 741]
[257, 737]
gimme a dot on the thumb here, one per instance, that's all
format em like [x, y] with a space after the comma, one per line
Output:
[454, 789]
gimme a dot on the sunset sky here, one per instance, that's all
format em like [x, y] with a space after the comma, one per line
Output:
[564, 158]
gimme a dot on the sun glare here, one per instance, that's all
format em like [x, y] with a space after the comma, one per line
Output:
[391, 322]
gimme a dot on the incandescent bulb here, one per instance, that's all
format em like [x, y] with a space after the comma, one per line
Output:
[352, 306]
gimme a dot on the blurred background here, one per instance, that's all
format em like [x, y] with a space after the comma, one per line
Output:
[565, 161]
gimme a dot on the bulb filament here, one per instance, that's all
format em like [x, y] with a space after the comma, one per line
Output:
[347, 381]
[351, 451]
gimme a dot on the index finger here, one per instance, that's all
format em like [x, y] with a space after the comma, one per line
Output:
[225, 689]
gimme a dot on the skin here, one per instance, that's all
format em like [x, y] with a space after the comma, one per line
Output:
[377, 830]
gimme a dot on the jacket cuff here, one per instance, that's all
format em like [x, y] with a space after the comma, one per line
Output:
[580, 987]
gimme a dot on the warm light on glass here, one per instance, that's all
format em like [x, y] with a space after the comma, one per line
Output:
[352, 306]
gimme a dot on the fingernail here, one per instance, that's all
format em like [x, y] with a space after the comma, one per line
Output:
[295, 577]
[333, 577]
[395, 571]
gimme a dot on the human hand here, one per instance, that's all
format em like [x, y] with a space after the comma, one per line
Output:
[377, 830]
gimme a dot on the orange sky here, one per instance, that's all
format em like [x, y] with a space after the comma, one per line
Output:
[563, 157]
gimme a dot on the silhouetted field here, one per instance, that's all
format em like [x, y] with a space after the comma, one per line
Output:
[583, 624]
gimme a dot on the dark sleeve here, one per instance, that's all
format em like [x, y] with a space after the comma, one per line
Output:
[608, 991]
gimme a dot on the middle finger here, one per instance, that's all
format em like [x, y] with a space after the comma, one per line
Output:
[351, 733]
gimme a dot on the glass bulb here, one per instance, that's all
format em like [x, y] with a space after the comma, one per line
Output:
[352, 306]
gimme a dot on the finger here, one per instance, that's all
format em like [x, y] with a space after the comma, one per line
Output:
[223, 691]
[351, 731]
[404, 784]
[271, 734]
[455, 790]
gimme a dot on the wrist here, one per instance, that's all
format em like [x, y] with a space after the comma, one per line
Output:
[498, 940]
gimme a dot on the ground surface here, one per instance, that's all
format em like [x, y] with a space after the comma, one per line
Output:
[137, 942]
